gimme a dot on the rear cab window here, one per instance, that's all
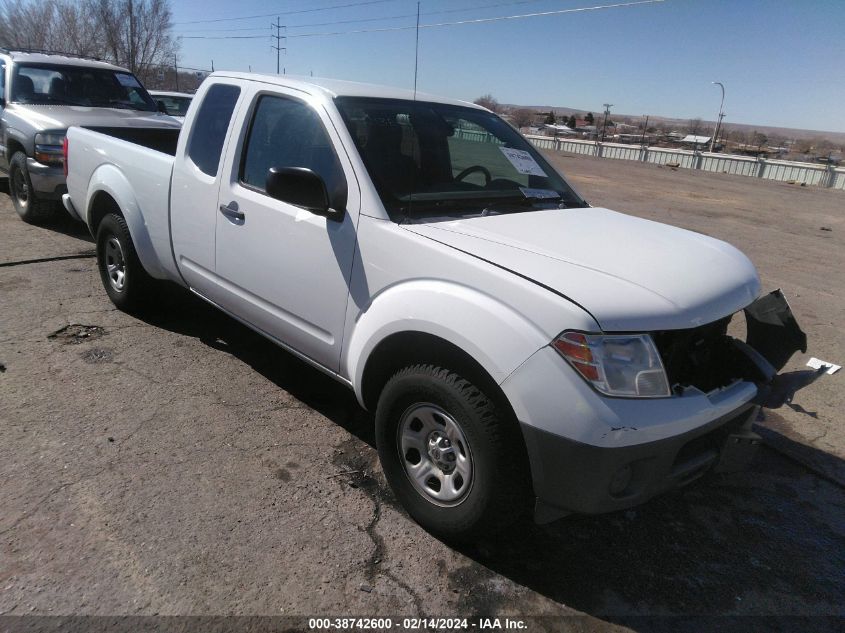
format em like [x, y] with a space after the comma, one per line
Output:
[210, 126]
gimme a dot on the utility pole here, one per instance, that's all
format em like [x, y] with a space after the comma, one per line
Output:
[278, 37]
[176, 72]
[132, 37]
[645, 127]
[607, 107]
[721, 115]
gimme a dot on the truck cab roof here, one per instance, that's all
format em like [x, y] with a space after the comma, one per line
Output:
[57, 59]
[331, 88]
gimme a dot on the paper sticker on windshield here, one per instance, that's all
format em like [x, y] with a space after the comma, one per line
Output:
[522, 161]
[127, 81]
[540, 194]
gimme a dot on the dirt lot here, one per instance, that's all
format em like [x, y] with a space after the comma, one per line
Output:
[178, 464]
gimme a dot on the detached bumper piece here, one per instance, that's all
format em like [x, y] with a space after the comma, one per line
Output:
[773, 337]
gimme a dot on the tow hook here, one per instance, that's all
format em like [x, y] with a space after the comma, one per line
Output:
[773, 337]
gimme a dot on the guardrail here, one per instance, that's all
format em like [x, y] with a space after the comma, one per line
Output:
[769, 169]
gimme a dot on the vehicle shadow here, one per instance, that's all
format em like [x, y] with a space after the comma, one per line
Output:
[768, 542]
[61, 222]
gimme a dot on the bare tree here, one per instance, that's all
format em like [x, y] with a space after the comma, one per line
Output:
[80, 29]
[488, 101]
[27, 24]
[136, 34]
[522, 117]
[694, 126]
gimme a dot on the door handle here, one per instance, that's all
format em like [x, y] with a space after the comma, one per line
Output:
[231, 211]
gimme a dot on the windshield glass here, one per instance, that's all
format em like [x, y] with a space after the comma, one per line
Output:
[429, 159]
[175, 106]
[80, 86]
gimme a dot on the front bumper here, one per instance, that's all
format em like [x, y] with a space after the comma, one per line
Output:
[578, 441]
[48, 181]
[573, 477]
[591, 454]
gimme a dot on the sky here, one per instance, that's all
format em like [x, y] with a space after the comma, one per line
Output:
[782, 62]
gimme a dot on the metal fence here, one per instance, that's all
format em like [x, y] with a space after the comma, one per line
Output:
[769, 169]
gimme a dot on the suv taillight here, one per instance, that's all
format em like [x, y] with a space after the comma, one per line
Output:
[64, 155]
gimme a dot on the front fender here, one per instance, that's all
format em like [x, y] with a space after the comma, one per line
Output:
[110, 180]
[498, 337]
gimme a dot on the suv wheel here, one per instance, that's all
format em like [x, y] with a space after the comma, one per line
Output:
[454, 461]
[32, 209]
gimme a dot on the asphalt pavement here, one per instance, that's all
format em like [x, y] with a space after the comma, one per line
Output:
[179, 464]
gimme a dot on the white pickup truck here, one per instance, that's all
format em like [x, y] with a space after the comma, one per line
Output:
[517, 346]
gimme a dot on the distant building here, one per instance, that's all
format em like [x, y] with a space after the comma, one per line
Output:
[557, 130]
[693, 139]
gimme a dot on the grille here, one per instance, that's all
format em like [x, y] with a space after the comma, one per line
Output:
[701, 357]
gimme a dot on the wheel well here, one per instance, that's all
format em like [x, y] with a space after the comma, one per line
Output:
[12, 148]
[101, 206]
[409, 348]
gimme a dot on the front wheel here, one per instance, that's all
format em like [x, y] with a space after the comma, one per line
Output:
[455, 462]
[30, 207]
[124, 278]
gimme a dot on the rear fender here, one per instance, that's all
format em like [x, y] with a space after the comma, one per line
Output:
[110, 180]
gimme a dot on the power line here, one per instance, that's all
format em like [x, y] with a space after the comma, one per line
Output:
[413, 15]
[379, 19]
[433, 25]
[227, 29]
[271, 15]
[225, 37]
[482, 20]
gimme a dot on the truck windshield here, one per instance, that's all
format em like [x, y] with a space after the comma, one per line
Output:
[429, 159]
[80, 86]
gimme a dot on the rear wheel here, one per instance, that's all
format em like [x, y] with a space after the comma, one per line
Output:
[455, 462]
[124, 278]
[29, 206]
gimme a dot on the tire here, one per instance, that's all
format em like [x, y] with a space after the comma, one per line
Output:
[30, 207]
[463, 500]
[124, 278]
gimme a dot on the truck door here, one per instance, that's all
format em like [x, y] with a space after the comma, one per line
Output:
[283, 269]
[196, 184]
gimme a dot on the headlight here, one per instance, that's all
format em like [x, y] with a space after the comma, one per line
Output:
[48, 147]
[626, 365]
[50, 138]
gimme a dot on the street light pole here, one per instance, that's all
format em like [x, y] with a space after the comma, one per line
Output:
[721, 115]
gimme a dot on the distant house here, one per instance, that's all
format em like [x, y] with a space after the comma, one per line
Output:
[587, 130]
[557, 130]
[693, 139]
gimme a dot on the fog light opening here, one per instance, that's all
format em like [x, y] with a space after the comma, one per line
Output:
[621, 481]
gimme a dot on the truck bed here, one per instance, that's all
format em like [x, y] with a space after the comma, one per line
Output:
[159, 139]
[137, 163]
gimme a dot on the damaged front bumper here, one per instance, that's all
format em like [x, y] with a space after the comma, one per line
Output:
[773, 337]
[593, 454]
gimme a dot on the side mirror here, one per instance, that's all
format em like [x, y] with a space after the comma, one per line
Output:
[302, 187]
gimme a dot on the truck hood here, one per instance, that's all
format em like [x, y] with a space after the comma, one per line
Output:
[630, 274]
[46, 117]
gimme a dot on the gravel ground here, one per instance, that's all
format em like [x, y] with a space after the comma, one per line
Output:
[178, 464]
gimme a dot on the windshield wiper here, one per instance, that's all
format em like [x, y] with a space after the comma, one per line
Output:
[522, 203]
